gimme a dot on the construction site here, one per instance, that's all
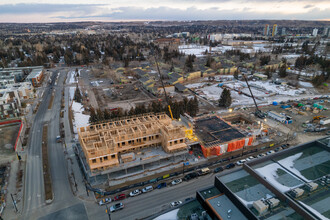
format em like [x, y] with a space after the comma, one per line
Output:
[132, 145]
[144, 145]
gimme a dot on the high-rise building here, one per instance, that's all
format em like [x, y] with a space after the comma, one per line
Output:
[326, 31]
[283, 31]
[274, 33]
[266, 30]
[315, 30]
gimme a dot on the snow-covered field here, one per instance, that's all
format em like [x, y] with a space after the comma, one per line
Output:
[199, 50]
[264, 91]
[277, 89]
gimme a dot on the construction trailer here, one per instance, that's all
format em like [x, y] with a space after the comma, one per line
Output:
[112, 143]
[279, 117]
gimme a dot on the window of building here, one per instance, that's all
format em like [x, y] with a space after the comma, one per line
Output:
[144, 139]
[106, 158]
[129, 142]
[175, 142]
[157, 136]
[123, 143]
[94, 161]
[181, 141]
[113, 156]
[101, 160]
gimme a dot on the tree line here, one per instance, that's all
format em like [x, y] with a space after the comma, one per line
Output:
[189, 106]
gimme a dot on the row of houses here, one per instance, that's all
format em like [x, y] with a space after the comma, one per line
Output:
[17, 84]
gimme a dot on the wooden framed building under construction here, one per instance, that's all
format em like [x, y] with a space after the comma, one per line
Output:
[116, 142]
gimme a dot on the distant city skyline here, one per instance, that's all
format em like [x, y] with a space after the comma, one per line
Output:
[128, 10]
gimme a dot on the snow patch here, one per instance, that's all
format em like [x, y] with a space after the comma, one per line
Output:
[306, 84]
[288, 163]
[80, 120]
[268, 172]
[319, 215]
[72, 77]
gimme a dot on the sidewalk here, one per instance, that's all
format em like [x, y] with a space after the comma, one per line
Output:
[74, 173]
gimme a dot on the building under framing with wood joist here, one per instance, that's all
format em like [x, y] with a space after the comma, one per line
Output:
[109, 144]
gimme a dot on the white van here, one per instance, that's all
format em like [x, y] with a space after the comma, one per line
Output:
[147, 189]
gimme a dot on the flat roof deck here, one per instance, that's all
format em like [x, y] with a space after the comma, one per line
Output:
[245, 186]
[214, 129]
[224, 208]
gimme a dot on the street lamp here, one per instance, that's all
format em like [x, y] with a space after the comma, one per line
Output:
[230, 110]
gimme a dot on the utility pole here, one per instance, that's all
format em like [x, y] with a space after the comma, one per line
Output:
[14, 202]
[108, 212]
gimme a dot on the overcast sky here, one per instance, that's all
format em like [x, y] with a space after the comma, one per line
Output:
[123, 10]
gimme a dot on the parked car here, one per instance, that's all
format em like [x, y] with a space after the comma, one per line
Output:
[270, 152]
[104, 201]
[116, 207]
[190, 176]
[135, 193]
[147, 189]
[161, 185]
[218, 169]
[252, 157]
[176, 203]
[240, 162]
[204, 171]
[231, 165]
[277, 149]
[261, 155]
[119, 197]
[176, 182]
[188, 199]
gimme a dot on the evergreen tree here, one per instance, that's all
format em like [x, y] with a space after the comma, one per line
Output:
[100, 115]
[93, 117]
[268, 73]
[77, 95]
[106, 114]
[236, 74]
[282, 71]
[225, 98]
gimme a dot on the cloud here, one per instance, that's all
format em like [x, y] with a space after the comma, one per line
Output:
[105, 12]
[192, 13]
[22, 8]
[308, 6]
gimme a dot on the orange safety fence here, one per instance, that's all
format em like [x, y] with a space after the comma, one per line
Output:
[236, 145]
[20, 129]
[250, 141]
[211, 151]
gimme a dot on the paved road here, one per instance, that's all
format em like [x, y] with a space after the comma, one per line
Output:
[153, 202]
[34, 190]
[34, 205]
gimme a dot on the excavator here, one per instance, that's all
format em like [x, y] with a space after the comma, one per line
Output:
[258, 112]
[161, 79]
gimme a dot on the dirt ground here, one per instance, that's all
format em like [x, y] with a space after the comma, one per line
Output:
[8, 135]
